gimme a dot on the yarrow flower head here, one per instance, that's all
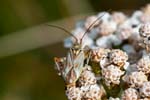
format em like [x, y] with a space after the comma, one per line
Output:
[87, 77]
[89, 21]
[99, 54]
[111, 98]
[145, 17]
[118, 17]
[144, 32]
[144, 99]
[107, 28]
[112, 74]
[124, 32]
[109, 57]
[145, 89]
[118, 57]
[92, 92]
[144, 64]
[146, 9]
[73, 93]
[135, 79]
[130, 94]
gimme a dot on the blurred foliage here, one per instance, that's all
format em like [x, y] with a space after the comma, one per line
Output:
[99, 5]
[20, 14]
[30, 76]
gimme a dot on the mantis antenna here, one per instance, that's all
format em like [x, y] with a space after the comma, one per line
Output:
[59, 27]
[92, 25]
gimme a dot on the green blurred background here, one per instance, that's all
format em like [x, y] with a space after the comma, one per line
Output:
[27, 69]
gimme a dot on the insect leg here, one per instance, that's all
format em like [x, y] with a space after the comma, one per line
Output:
[89, 56]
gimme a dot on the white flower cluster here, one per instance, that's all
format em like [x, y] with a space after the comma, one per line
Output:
[145, 89]
[145, 35]
[86, 88]
[130, 94]
[112, 62]
[118, 57]
[111, 74]
[111, 30]
[119, 50]
[135, 79]
[114, 29]
[87, 77]
[111, 98]
[144, 64]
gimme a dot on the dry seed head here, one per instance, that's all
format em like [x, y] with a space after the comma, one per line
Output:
[78, 33]
[130, 94]
[146, 40]
[124, 33]
[146, 14]
[105, 18]
[136, 14]
[104, 42]
[134, 20]
[74, 93]
[99, 54]
[87, 77]
[118, 17]
[107, 28]
[92, 93]
[111, 98]
[118, 57]
[145, 18]
[112, 74]
[115, 41]
[144, 64]
[145, 89]
[144, 99]
[135, 79]
[90, 21]
[144, 30]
